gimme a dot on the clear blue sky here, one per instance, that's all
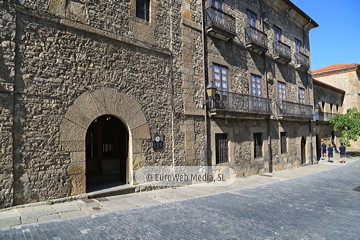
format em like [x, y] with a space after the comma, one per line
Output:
[337, 39]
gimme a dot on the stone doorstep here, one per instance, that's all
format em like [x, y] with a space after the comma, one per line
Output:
[124, 189]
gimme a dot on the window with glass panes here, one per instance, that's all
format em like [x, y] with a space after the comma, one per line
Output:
[277, 33]
[251, 18]
[219, 4]
[256, 90]
[297, 45]
[143, 9]
[277, 37]
[282, 91]
[220, 80]
[217, 16]
[255, 85]
[282, 94]
[302, 95]
[297, 50]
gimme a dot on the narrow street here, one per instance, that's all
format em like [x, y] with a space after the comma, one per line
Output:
[323, 205]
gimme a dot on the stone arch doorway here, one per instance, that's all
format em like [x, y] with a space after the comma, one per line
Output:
[106, 153]
[303, 150]
[79, 116]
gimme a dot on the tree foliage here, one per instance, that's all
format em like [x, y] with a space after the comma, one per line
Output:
[348, 124]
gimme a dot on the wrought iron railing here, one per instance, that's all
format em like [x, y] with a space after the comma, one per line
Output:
[325, 117]
[253, 35]
[282, 49]
[302, 59]
[295, 109]
[220, 19]
[240, 103]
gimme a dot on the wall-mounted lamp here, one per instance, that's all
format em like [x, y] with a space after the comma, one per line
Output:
[211, 91]
[317, 108]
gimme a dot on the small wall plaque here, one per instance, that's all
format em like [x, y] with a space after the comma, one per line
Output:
[158, 142]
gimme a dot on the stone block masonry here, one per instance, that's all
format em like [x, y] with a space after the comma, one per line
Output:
[66, 69]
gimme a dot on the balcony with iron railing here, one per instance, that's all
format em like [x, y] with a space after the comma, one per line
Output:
[302, 62]
[235, 105]
[323, 116]
[219, 23]
[255, 40]
[281, 52]
[290, 110]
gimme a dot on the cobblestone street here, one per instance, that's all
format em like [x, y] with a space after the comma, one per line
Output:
[322, 205]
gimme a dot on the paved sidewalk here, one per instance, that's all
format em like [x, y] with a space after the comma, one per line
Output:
[41, 212]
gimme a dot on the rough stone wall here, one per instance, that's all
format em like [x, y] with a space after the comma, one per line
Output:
[349, 82]
[241, 144]
[114, 16]
[327, 98]
[77, 62]
[240, 137]
[58, 60]
[294, 132]
[241, 63]
[324, 133]
[67, 48]
[7, 73]
[322, 95]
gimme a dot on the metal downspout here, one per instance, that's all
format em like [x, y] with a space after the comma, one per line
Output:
[205, 77]
[267, 96]
[310, 121]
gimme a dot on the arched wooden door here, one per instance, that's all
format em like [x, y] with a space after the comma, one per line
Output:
[106, 153]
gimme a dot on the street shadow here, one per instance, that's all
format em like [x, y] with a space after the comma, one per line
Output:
[352, 154]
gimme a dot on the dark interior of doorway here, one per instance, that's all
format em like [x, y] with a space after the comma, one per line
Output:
[106, 153]
[303, 145]
[318, 147]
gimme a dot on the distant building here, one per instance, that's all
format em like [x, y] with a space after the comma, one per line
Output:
[328, 102]
[347, 78]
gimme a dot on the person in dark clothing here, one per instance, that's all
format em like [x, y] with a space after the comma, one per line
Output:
[330, 153]
[342, 149]
[323, 147]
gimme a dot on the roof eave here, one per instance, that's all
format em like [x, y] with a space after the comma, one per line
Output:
[302, 13]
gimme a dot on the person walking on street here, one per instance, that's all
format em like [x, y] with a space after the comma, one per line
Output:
[330, 153]
[323, 146]
[342, 149]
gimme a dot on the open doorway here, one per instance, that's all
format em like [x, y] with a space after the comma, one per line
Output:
[303, 150]
[106, 153]
[318, 147]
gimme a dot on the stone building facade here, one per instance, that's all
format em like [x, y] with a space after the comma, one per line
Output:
[87, 85]
[347, 78]
[328, 102]
[258, 57]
